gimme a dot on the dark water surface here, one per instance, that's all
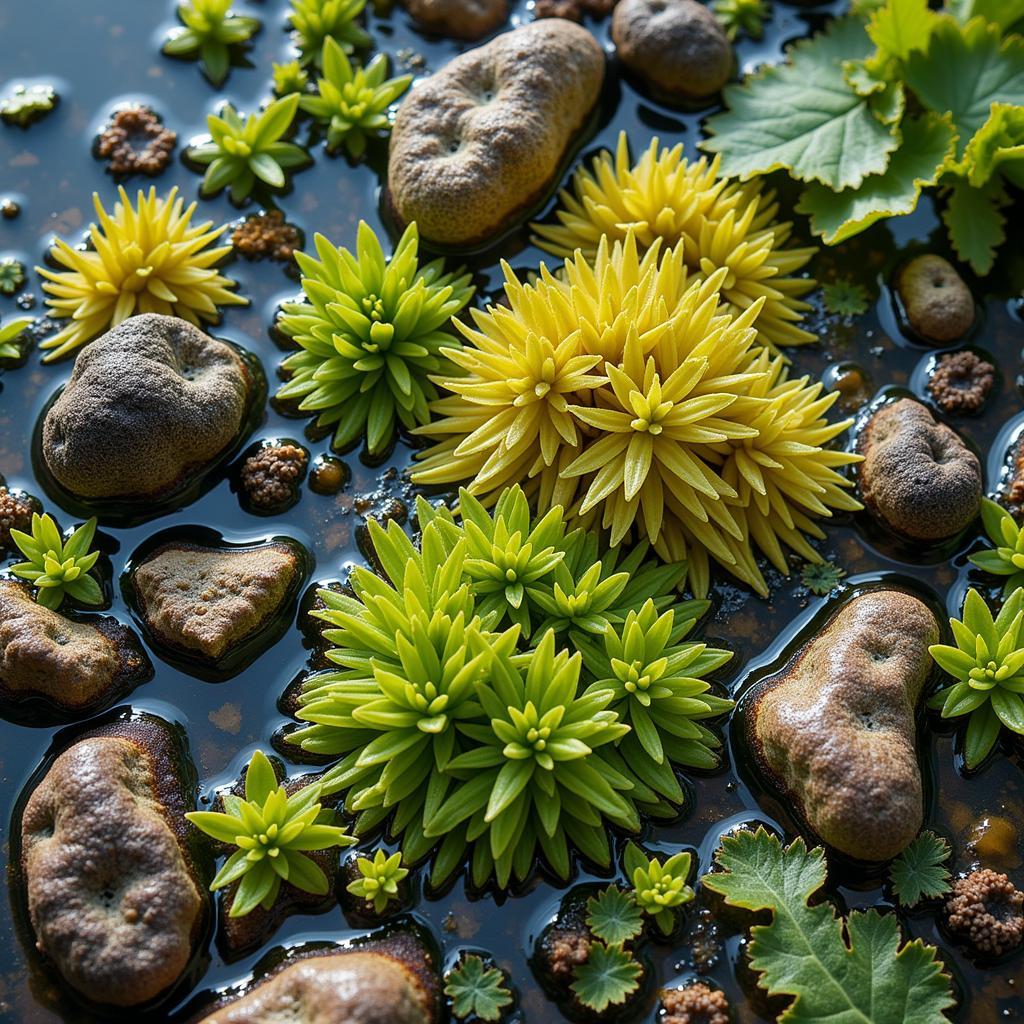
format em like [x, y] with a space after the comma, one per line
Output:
[104, 52]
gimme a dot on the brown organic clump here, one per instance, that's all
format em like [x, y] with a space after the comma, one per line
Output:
[574, 10]
[15, 514]
[266, 235]
[695, 1004]
[961, 382]
[985, 910]
[136, 142]
[569, 949]
[271, 477]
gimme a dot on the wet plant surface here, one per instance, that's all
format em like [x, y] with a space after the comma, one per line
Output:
[101, 56]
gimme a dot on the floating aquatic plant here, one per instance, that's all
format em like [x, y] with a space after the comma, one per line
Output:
[211, 29]
[1007, 558]
[371, 331]
[460, 733]
[273, 832]
[609, 975]
[314, 21]
[613, 916]
[742, 17]
[622, 392]
[659, 692]
[58, 568]
[352, 103]
[290, 77]
[12, 275]
[920, 871]
[25, 104]
[378, 879]
[821, 578]
[844, 297]
[659, 887]
[988, 664]
[10, 335]
[147, 258]
[722, 225]
[477, 990]
[242, 153]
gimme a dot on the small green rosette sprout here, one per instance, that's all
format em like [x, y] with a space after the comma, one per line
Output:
[372, 331]
[12, 275]
[290, 77]
[1007, 557]
[55, 567]
[659, 887]
[379, 879]
[315, 21]
[273, 832]
[988, 664]
[352, 102]
[742, 17]
[211, 28]
[10, 332]
[477, 990]
[242, 153]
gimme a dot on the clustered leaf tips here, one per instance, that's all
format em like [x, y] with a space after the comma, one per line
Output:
[316, 21]
[211, 29]
[272, 833]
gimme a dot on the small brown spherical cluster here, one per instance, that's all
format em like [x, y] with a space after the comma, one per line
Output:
[695, 1004]
[15, 514]
[271, 477]
[267, 234]
[961, 382]
[985, 910]
[574, 10]
[569, 949]
[136, 142]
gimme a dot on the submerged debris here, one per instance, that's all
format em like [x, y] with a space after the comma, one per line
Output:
[985, 910]
[9, 208]
[270, 479]
[694, 1004]
[266, 235]
[136, 141]
[25, 104]
[961, 382]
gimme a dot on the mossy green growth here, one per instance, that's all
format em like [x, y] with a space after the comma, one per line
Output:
[315, 21]
[58, 568]
[10, 335]
[27, 103]
[242, 153]
[659, 887]
[273, 832]
[988, 666]
[12, 275]
[1007, 557]
[379, 879]
[352, 102]
[457, 730]
[742, 17]
[372, 331]
[211, 29]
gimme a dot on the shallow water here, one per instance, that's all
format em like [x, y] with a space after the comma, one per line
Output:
[99, 55]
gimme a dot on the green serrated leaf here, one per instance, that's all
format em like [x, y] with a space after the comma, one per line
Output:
[864, 977]
[927, 143]
[476, 989]
[805, 117]
[1000, 12]
[607, 978]
[614, 917]
[975, 223]
[920, 872]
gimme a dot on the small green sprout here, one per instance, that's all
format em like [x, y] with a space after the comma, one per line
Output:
[211, 29]
[920, 871]
[477, 990]
[659, 888]
[353, 102]
[614, 917]
[821, 578]
[988, 664]
[609, 975]
[1007, 558]
[845, 298]
[273, 833]
[25, 104]
[289, 78]
[742, 16]
[55, 567]
[12, 275]
[315, 21]
[10, 333]
[240, 153]
[380, 878]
